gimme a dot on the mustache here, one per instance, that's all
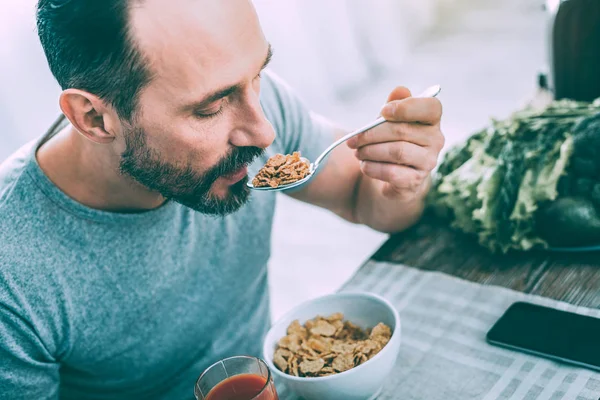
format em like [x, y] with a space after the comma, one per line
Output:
[238, 158]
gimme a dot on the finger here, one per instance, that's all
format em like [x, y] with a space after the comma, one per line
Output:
[413, 109]
[399, 176]
[403, 153]
[422, 135]
[399, 93]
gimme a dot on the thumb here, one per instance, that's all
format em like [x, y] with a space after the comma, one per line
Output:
[399, 93]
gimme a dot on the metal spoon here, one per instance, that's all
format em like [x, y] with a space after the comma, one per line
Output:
[429, 92]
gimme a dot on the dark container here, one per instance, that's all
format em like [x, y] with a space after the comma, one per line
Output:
[574, 49]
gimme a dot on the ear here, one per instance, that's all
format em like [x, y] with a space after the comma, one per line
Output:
[90, 115]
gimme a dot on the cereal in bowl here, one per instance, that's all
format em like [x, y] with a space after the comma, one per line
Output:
[328, 345]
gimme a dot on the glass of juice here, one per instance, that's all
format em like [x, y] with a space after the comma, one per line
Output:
[236, 378]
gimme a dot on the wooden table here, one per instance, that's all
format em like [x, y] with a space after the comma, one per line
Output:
[431, 245]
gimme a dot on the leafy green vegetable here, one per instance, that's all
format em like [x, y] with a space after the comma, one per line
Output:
[493, 185]
[596, 195]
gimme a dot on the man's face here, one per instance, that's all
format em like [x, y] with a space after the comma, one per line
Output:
[199, 122]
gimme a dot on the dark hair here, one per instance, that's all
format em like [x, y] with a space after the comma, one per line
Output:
[88, 47]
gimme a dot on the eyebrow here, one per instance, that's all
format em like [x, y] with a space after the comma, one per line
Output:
[219, 94]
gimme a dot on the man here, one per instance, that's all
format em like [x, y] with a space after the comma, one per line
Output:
[132, 255]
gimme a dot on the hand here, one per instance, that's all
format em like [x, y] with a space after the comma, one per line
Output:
[403, 151]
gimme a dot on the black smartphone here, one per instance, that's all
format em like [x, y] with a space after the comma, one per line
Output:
[555, 334]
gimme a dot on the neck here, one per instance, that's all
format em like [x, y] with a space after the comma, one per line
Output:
[89, 173]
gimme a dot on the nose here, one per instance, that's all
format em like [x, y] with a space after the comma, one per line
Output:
[252, 127]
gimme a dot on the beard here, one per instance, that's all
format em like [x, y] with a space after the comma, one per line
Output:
[181, 183]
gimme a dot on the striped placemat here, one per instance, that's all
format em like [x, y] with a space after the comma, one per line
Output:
[444, 354]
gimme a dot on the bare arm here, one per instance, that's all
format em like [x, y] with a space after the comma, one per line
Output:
[381, 177]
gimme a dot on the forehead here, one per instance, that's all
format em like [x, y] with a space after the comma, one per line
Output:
[197, 45]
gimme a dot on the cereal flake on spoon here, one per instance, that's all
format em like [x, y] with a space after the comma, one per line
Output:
[282, 170]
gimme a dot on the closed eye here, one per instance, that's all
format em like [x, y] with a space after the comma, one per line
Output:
[212, 115]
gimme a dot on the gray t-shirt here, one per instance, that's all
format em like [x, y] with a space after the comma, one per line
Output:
[103, 305]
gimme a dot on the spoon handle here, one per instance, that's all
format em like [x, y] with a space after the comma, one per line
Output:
[335, 144]
[429, 92]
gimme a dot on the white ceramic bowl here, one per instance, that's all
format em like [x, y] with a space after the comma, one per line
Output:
[360, 383]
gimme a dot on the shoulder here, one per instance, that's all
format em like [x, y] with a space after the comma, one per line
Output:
[22, 206]
[279, 100]
[12, 172]
[30, 290]
[274, 90]
[295, 125]
[20, 196]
